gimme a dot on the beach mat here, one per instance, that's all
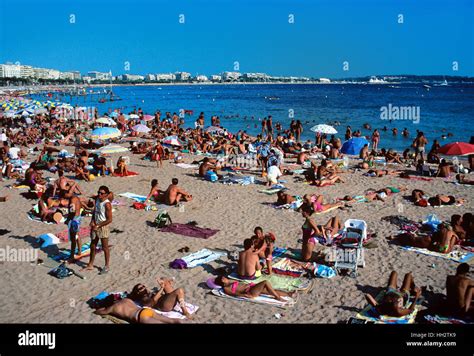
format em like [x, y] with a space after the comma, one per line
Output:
[121, 175]
[287, 267]
[202, 256]
[85, 251]
[189, 230]
[271, 191]
[279, 282]
[84, 231]
[261, 299]
[187, 166]
[136, 197]
[437, 319]
[455, 255]
[368, 315]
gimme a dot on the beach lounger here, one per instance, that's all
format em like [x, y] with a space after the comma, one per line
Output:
[261, 299]
[350, 250]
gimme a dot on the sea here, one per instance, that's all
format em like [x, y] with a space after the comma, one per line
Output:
[445, 113]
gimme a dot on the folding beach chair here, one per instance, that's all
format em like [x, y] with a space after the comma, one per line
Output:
[350, 251]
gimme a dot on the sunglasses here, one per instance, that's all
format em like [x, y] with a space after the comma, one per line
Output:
[101, 193]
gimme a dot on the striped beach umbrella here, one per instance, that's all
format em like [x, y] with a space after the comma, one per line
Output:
[171, 140]
[148, 118]
[106, 121]
[141, 128]
[105, 133]
[109, 149]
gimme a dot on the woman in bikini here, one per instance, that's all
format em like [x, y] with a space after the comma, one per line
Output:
[311, 231]
[238, 289]
[315, 202]
[155, 192]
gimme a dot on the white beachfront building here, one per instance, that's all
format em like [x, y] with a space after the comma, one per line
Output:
[94, 75]
[202, 78]
[231, 76]
[10, 71]
[216, 78]
[182, 76]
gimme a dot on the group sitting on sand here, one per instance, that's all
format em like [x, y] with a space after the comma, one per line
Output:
[174, 195]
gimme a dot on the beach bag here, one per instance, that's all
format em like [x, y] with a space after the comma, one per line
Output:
[162, 219]
[178, 264]
[211, 176]
[323, 271]
[61, 271]
[139, 206]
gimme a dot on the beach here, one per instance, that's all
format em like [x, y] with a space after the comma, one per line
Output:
[140, 253]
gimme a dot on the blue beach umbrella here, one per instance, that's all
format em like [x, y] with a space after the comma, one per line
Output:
[354, 145]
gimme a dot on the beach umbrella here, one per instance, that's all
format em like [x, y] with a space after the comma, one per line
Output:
[148, 118]
[141, 128]
[104, 133]
[354, 145]
[105, 121]
[325, 129]
[457, 149]
[134, 116]
[171, 140]
[111, 149]
[215, 129]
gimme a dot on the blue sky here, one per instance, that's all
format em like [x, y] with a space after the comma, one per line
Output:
[257, 34]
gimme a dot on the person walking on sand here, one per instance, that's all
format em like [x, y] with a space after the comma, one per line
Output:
[419, 144]
[100, 227]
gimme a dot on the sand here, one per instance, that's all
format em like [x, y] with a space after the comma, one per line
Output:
[141, 253]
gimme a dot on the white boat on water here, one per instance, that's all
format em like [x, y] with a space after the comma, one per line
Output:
[443, 84]
[375, 80]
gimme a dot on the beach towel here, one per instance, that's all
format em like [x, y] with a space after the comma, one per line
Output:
[136, 197]
[187, 166]
[279, 282]
[369, 314]
[272, 190]
[288, 267]
[121, 175]
[84, 231]
[189, 230]
[85, 251]
[21, 186]
[456, 255]
[437, 319]
[201, 257]
[48, 240]
[261, 299]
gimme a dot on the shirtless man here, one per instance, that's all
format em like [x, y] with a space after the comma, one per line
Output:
[66, 186]
[127, 309]
[205, 166]
[249, 266]
[444, 169]
[175, 194]
[394, 299]
[459, 290]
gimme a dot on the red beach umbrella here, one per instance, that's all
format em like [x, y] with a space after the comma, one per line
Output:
[457, 149]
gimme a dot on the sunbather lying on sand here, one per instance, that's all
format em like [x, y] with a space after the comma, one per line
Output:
[237, 289]
[462, 180]
[164, 300]
[127, 309]
[381, 173]
[284, 198]
[460, 289]
[441, 241]
[315, 202]
[394, 299]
